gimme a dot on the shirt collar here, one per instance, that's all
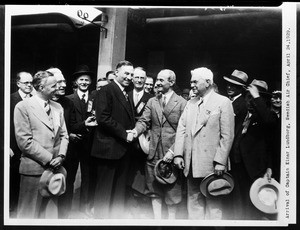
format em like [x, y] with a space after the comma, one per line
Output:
[80, 93]
[236, 97]
[168, 95]
[40, 101]
[140, 93]
[22, 94]
[120, 86]
[206, 97]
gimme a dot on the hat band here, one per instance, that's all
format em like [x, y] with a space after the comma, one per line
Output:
[237, 79]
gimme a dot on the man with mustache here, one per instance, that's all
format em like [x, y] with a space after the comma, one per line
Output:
[80, 140]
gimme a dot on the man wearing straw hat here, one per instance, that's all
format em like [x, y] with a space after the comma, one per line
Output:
[42, 137]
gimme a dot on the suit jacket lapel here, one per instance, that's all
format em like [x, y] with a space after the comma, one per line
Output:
[77, 103]
[158, 110]
[121, 98]
[39, 112]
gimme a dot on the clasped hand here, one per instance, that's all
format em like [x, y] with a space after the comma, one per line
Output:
[131, 135]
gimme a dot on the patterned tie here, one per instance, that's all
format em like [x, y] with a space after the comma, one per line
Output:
[163, 101]
[125, 94]
[82, 99]
[246, 123]
[47, 108]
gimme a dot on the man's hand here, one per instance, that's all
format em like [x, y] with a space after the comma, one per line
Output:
[168, 157]
[56, 162]
[90, 121]
[75, 137]
[253, 91]
[219, 169]
[130, 136]
[179, 162]
[268, 174]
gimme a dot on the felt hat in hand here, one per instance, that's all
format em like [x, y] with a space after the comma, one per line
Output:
[53, 182]
[165, 173]
[264, 195]
[213, 185]
[144, 141]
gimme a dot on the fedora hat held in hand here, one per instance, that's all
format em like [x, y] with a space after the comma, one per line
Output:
[265, 194]
[144, 141]
[53, 182]
[213, 185]
[165, 173]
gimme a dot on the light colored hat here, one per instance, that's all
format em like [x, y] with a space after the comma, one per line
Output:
[165, 173]
[144, 141]
[53, 182]
[237, 77]
[213, 185]
[262, 87]
[265, 195]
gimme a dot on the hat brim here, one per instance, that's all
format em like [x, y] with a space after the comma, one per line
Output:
[233, 81]
[47, 174]
[144, 141]
[80, 73]
[256, 187]
[211, 177]
[171, 180]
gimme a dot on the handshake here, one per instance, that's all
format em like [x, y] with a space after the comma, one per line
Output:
[131, 135]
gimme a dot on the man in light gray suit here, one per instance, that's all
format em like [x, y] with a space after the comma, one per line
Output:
[203, 140]
[42, 137]
[163, 113]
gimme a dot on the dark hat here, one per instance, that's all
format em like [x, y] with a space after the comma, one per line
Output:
[53, 182]
[82, 70]
[262, 87]
[264, 195]
[213, 185]
[165, 173]
[238, 78]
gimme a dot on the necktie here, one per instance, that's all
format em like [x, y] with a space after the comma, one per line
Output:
[246, 123]
[28, 95]
[163, 101]
[125, 94]
[47, 108]
[82, 99]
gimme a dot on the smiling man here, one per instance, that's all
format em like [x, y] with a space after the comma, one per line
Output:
[111, 147]
[42, 137]
[80, 140]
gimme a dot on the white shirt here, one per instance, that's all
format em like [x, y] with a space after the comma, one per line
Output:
[236, 97]
[168, 95]
[22, 94]
[137, 96]
[80, 94]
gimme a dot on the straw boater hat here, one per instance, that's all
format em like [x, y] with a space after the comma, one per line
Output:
[82, 70]
[237, 77]
[53, 182]
[213, 185]
[165, 173]
[265, 195]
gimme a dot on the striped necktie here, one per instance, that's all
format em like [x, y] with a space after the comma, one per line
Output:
[47, 108]
[125, 94]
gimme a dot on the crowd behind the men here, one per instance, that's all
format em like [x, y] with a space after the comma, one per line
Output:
[200, 132]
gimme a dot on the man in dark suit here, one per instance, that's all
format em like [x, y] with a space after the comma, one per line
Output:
[137, 183]
[255, 157]
[111, 148]
[81, 141]
[24, 83]
[42, 137]
[235, 87]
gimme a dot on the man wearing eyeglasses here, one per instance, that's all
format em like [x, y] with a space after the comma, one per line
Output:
[24, 83]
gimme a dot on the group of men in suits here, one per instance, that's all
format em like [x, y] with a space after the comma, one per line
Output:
[100, 133]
